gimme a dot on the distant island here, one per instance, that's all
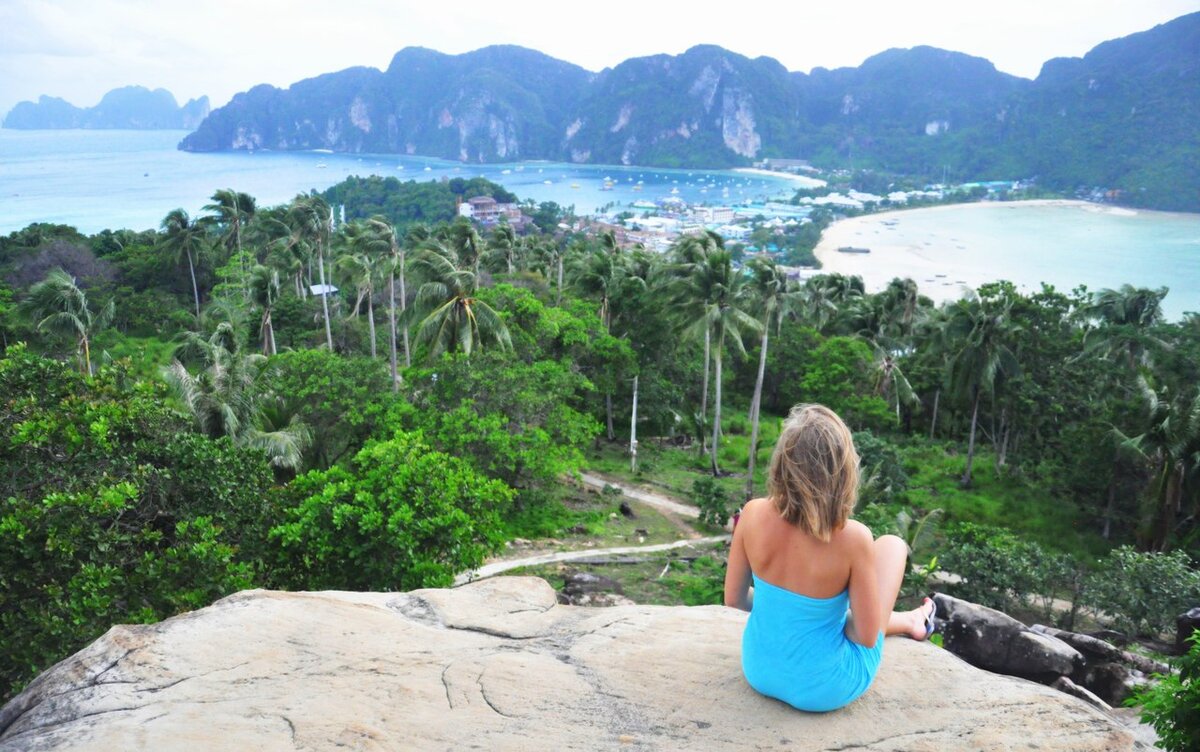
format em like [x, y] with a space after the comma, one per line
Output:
[129, 107]
[1118, 123]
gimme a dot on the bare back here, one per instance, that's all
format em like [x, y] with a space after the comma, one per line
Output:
[784, 555]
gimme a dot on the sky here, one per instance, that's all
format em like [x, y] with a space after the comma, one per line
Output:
[80, 49]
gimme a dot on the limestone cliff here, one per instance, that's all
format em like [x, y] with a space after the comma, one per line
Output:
[499, 665]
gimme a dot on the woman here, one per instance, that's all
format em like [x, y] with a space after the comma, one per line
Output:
[800, 560]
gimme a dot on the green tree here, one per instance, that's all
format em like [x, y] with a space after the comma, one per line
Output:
[768, 292]
[182, 236]
[59, 306]
[231, 212]
[981, 332]
[451, 317]
[401, 517]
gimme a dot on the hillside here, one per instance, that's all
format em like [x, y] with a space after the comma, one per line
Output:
[130, 107]
[1121, 119]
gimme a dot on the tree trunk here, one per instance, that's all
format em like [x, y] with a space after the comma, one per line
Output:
[1110, 507]
[607, 407]
[755, 409]
[937, 395]
[195, 290]
[371, 320]
[704, 391]
[324, 297]
[633, 430]
[403, 308]
[392, 327]
[966, 479]
[87, 355]
[716, 434]
[558, 296]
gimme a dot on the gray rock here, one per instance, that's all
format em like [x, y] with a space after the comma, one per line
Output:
[1187, 623]
[995, 641]
[498, 665]
[588, 589]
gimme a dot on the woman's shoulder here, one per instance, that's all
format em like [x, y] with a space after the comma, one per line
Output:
[855, 532]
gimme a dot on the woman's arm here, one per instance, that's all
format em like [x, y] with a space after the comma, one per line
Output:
[866, 617]
[738, 593]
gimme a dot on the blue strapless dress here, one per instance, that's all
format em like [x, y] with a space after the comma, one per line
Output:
[795, 649]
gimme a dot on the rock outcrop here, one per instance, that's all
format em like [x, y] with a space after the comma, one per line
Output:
[497, 665]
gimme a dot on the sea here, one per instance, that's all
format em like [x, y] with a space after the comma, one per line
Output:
[99, 179]
[111, 179]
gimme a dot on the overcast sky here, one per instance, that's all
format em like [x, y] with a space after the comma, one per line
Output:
[80, 49]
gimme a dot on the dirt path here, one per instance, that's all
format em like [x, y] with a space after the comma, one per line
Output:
[646, 497]
[670, 508]
[496, 567]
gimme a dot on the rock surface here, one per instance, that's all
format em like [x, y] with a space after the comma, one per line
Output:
[499, 665]
[995, 641]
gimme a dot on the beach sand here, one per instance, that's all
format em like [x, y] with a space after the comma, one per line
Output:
[802, 181]
[922, 259]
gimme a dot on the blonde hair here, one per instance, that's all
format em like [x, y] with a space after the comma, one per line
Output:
[813, 478]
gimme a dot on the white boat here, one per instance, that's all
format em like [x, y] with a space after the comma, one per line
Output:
[428, 168]
[506, 172]
[547, 182]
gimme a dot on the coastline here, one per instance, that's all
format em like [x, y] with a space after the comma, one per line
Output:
[802, 180]
[943, 267]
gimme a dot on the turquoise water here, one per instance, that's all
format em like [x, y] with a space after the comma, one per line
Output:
[112, 179]
[1028, 244]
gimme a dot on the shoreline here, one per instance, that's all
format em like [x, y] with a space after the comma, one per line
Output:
[926, 258]
[802, 180]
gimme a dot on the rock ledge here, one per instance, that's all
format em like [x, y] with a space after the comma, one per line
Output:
[500, 665]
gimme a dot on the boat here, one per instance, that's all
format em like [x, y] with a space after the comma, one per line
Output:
[428, 168]
[853, 249]
[506, 172]
[574, 185]
[608, 185]
[321, 165]
[547, 182]
[637, 187]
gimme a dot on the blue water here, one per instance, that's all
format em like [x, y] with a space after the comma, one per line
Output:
[112, 179]
[95, 180]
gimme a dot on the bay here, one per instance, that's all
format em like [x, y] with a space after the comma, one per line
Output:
[95, 180]
[949, 250]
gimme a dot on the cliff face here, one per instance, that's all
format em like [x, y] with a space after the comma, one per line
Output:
[1122, 117]
[498, 664]
[131, 107]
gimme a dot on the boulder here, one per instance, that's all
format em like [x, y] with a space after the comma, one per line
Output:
[995, 641]
[1186, 623]
[588, 589]
[1110, 672]
[499, 665]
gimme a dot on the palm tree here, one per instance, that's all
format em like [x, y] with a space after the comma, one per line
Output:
[467, 245]
[451, 317]
[312, 220]
[183, 236]
[983, 355]
[889, 381]
[503, 246]
[224, 396]
[361, 266]
[59, 306]
[689, 251]
[715, 293]
[768, 293]
[264, 292]
[1125, 316]
[1171, 446]
[232, 211]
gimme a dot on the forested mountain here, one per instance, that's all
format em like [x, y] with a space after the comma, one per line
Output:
[133, 107]
[1121, 118]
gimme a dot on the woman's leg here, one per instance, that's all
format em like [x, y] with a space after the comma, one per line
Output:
[891, 557]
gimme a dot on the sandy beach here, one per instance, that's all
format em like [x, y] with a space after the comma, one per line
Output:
[941, 264]
[802, 181]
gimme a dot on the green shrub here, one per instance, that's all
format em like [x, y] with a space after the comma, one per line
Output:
[883, 478]
[999, 570]
[1172, 706]
[712, 500]
[704, 582]
[1142, 593]
[402, 517]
